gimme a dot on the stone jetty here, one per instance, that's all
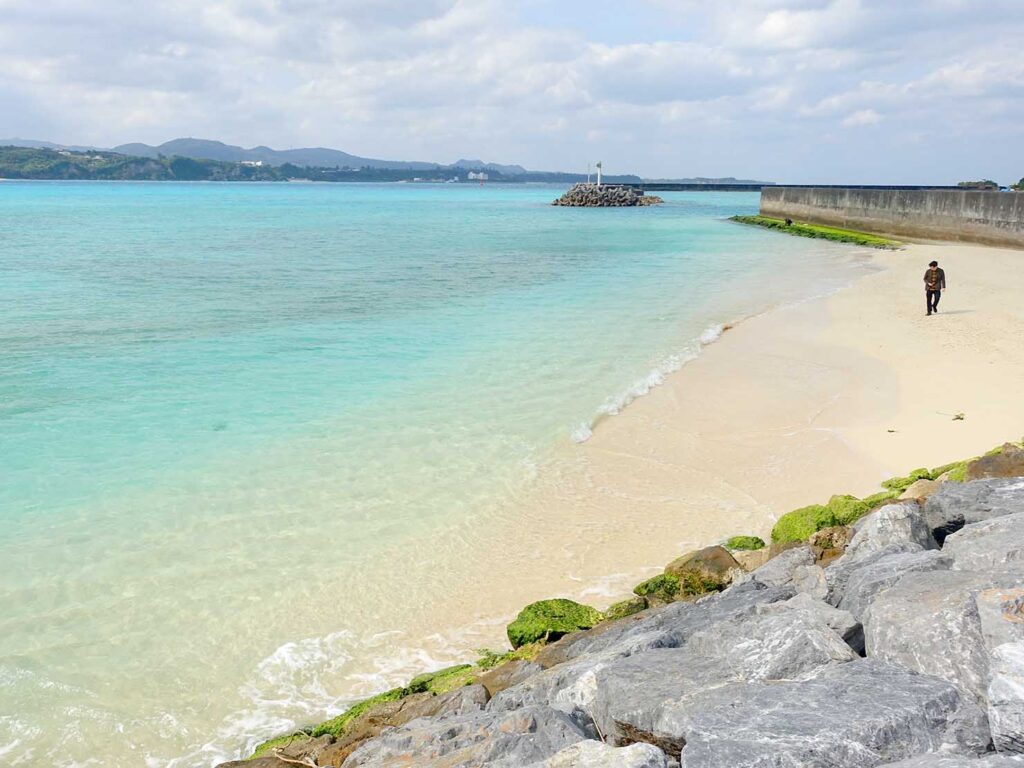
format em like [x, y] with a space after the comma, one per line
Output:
[895, 638]
[605, 196]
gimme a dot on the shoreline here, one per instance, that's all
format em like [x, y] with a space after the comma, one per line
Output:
[788, 408]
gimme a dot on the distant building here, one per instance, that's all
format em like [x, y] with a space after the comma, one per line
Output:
[252, 163]
[474, 176]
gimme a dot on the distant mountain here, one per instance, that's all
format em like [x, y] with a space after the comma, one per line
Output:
[314, 157]
[33, 144]
[327, 159]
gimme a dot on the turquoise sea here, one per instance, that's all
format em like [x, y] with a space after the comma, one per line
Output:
[223, 405]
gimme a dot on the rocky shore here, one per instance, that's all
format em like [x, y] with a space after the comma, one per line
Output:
[605, 196]
[886, 631]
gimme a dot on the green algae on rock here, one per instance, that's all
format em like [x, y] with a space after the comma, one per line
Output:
[336, 725]
[745, 543]
[548, 620]
[799, 524]
[663, 588]
[442, 681]
[624, 608]
[820, 231]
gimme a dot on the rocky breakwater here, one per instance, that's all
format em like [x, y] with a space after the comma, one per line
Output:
[886, 631]
[605, 196]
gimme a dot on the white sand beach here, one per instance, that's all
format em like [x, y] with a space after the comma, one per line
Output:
[829, 396]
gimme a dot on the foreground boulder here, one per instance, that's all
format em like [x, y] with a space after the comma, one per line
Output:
[502, 739]
[854, 715]
[902, 523]
[575, 662]
[930, 623]
[992, 544]
[878, 574]
[631, 695]
[1006, 698]
[664, 627]
[957, 761]
[596, 754]
[955, 505]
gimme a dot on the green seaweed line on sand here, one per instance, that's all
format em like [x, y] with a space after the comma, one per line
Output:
[817, 230]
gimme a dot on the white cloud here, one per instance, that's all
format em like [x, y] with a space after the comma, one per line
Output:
[705, 93]
[862, 117]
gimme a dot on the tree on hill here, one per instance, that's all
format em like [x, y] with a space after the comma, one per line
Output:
[1019, 186]
[983, 184]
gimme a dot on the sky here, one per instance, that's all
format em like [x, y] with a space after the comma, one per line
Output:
[825, 91]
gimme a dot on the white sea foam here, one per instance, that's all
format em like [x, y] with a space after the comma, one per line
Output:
[615, 404]
[299, 683]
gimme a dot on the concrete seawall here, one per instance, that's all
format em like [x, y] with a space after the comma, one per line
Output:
[993, 218]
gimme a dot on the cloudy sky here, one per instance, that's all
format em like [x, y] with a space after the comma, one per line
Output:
[912, 91]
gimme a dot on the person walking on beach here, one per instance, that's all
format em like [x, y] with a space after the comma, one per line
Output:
[934, 285]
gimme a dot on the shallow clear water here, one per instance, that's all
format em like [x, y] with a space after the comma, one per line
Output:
[221, 403]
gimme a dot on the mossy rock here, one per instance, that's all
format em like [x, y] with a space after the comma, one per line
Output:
[277, 742]
[938, 472]
[880, 498]
[664, 587]
[336, 725]
[548, 620]
[491, 659]
[696, 583]
[958, 473]
[799, 524]
[442, 681]
[900, 484]
[847, 509]
[624, 608]
[745, 543]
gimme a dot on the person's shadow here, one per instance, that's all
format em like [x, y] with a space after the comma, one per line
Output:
[956, 312]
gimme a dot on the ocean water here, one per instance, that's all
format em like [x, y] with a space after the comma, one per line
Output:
[231, 415]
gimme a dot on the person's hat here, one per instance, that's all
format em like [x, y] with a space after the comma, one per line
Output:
[933, 263]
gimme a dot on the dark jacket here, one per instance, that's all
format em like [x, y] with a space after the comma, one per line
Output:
[936, 282]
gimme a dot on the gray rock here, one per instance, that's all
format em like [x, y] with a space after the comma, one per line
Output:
[867, 581]
[838, 574]
[500, 740]
[571, 686]
[853, 715]
[663, 627]
[1001, 611]
[630, 694]
[1006, 698]
[955, 505]
[507, 675]
[461, 701]
[930, 623]
[992, 544]
[841, 622]
[900, 523]
[595, 754]
[933, 760]
[810, 579]
[919, 489]
[778, 571]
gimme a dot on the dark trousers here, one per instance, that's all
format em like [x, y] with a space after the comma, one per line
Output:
[932, 297]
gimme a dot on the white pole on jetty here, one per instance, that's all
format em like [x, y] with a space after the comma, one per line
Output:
[599, 173]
